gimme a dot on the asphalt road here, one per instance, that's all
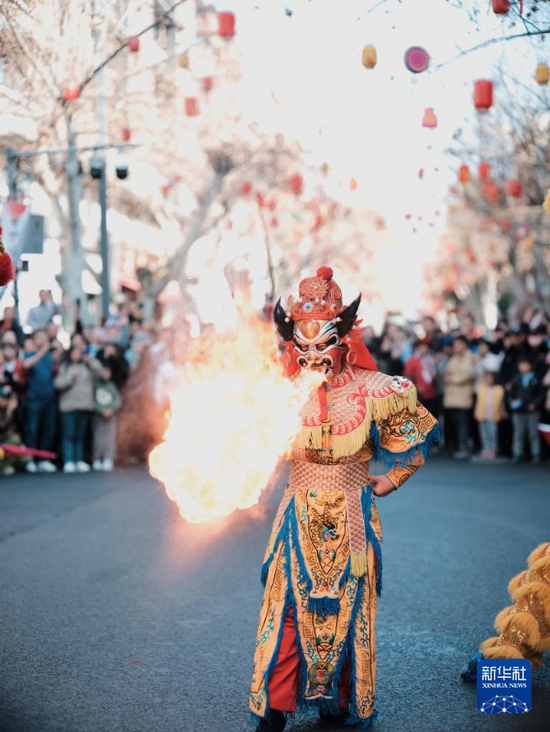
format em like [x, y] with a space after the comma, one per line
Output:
[118, 616]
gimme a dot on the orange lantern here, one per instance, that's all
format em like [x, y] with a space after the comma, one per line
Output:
[501, 7]
[324, 169]
[464, 175]
[296, 183]
[226, 25]
[353, 184]
[183, 60]
[133, 44]
[542, 74]
[484, 170]
[191, 107]
[483, 95]
[514, 187]
[70, 93]
[370, 58]
[429, 120]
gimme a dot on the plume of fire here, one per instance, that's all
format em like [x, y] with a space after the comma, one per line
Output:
[232, 415]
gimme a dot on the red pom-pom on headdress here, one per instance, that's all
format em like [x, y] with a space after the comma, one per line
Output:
[7, 270]
[325, 273]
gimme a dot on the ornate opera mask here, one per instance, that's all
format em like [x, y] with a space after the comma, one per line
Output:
[318, 346]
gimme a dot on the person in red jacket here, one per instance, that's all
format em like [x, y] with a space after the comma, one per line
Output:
[421, 370]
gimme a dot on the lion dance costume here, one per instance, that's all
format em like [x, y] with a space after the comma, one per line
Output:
[323, 565]
[524, 626]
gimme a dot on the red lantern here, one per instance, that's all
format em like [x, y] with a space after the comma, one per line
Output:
[490, 189]
[429, 120]
[483, 95]
[126, 134]
[133, 44]
[484, 170]
[208, 83]
[226, 25]
[464, 175]
[501, 7]
[296, 183]
[191, 107]
[246, 188]
[514, 187]
[72, 92]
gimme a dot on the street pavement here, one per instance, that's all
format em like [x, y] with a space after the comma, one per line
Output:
[118, 616]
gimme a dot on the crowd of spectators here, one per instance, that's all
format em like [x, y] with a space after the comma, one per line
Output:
[490, 389]
[63, 402]
[99, 396]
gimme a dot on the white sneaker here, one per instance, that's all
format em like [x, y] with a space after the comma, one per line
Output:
[97, 465]
[10, 470]
[69, 468]
[108, 465]
[31, 467]
[82, 467]
[45, 466]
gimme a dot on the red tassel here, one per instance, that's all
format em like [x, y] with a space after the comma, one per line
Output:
[7, 270]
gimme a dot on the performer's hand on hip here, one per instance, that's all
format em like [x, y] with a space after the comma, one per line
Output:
[381, 485]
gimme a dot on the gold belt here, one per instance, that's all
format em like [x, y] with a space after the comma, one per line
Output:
[342, 477]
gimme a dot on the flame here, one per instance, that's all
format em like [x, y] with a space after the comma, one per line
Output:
[232, 415]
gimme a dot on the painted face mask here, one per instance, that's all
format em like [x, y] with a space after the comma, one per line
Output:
[318, 346]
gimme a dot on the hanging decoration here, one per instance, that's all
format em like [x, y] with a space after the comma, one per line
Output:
[133, 43]
[296, 183]
[484, 170]
[353, 184]
[542, 74]
[208, 83]
[191, 106]
[464, 175]
[501, 7]
[226, 25]
[483, 95]
[490, 189]
[246, 188]
[514, 187]
[126, 134]
[429, 120]
[183, 60]
[324, 169]
[417, 59]
[370, 57]
[71, 92]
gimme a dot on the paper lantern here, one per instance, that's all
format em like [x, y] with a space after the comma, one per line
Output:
[501, 7]
[429, 120]
[208, 83]
[133, 44]
[296, 183]
[226, 25]
[246, 188]
[484, 170]
[417, 59]
[71, 92]
[324, 169]
[483, 95]
[514, 187]
[353, 184]
[542, 74]
[464, 175]
[370, 58]
[183, 60]
[490, 189]
[126, 134]
[191, 107]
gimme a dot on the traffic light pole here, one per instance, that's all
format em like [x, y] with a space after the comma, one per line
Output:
[104, 245]
[12, 190]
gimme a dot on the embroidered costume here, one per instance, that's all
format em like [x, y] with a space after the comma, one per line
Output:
[322, 570]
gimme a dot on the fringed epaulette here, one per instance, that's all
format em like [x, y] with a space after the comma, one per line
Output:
[357, 398]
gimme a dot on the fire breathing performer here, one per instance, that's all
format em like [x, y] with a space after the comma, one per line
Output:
[322, 570]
